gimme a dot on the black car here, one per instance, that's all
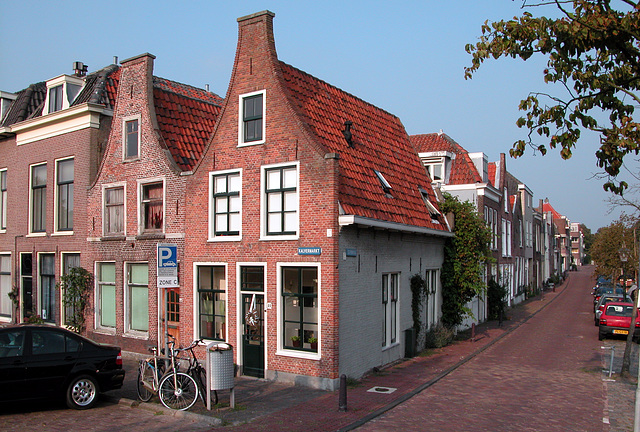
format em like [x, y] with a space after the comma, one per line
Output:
[39, 361]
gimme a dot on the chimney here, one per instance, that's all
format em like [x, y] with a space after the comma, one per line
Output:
[80, 69]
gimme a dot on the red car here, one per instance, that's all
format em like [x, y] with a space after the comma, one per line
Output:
[615, 320]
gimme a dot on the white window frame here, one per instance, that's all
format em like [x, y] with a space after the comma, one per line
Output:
[56, 196]
[196, 299]
[61, 272]
[263, 202]
[106, 186]
[3, 201]
[40, 286]
[98, 299]
[141, 221]
[280, 348]
[212, 232]
[64, 81]
[31, 232]
[127, 312]
[391, 339]
[241, 138]
[125, 120]
[4, 298]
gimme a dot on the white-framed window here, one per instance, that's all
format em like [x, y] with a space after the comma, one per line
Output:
[151, 206]
[225, 205]
[505, 199]
[299, 308]
[432, 306]
[131, 138]
[38, 198]
[69, 260]
[6, 305]
[390, 291]
[435, 170]
[47, 282]
[3, 200]
[280, 202]
[136, 298]
[211, 300]
[113, 209]
[504, 237]
[105, 304]
[61, 92]
[251, 118]
[63, 214]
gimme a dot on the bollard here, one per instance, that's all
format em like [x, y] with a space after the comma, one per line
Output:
[500, 318]
[473, 332]
[342, 400]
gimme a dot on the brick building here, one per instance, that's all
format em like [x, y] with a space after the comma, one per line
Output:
[308, 214]
[52, 135]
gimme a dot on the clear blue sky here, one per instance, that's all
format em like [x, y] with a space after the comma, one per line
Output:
[406, 57]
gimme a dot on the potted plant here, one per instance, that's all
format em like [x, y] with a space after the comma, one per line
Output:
[314, 343]
[295, 340]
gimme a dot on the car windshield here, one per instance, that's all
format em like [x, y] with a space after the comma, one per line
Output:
[620, 310]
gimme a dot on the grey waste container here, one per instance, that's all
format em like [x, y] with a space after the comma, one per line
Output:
[221, 368]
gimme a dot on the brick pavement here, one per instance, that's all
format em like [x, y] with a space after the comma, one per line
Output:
[263, 406]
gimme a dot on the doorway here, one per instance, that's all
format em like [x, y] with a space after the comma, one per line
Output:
[252, 303]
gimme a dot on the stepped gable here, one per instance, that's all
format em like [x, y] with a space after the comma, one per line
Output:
[186, 117]
[463, 171]
[378, 142]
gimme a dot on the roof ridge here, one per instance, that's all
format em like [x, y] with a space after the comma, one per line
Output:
[341, 90]
[169, 90]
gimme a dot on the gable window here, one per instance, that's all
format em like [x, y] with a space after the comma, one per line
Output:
[226, 204]
[114, 210]
[106, 295]
[281, 200]
[131, 139]
[390, 309]
[152, 207]
[137, 297]
[64, 195]
[299, 290]
[47, 287]
[212, 301]
[38, 198]
[6, 305]
[3, 200]
[251, 118]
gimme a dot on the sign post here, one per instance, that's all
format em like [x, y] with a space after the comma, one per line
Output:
[167, 277]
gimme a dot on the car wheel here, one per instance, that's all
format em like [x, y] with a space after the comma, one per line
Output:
[82, 392]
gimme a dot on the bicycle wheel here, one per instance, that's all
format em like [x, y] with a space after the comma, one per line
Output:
[178, 391]
[200, 376]
[145, 382]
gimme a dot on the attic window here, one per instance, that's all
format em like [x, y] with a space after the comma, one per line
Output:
[433, 211]
[383, 182]
[61, 92]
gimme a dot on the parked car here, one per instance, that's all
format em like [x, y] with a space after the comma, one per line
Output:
[607, 289]
[607, 298]
[615, 321]
[40, 361]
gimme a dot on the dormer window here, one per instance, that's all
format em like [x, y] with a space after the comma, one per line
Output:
[61, 92]
[438, 165]
[5, 103]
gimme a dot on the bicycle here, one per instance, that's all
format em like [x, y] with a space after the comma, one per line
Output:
[198, 372]
[150, 372]
[177, 390]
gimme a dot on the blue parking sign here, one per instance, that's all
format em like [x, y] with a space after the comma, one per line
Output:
[167, 265]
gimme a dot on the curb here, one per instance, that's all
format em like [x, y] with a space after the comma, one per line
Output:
[186, 415]
[443, 374]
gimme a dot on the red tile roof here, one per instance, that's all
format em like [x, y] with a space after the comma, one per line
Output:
[463, 171]
[546, 207]
[380, 143]
[186, 116]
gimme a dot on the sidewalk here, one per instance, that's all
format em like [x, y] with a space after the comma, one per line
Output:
[273, 406]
